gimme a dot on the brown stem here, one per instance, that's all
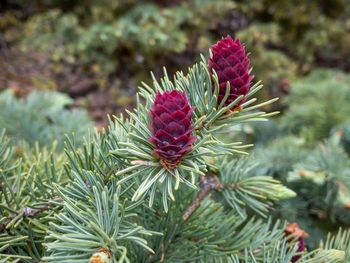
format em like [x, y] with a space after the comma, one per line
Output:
[163, 254]
[208, 184]
[27, 212]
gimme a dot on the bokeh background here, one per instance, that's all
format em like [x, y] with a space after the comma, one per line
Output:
[98, 51]
[65, 65]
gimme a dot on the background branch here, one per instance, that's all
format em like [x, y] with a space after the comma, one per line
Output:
[27, 212]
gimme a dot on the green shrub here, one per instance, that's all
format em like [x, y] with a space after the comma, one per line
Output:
[317, 103]
[42, 117]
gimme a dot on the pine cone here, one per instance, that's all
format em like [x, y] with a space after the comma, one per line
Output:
[231, 64]
[171, 127]
[293, 229]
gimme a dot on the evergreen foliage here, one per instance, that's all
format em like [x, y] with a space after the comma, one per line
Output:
[308, 31]
[93, 32]
[109, 198]
[113, 200]
[42, 118]
[312, 112]
[344, 133]
[324, 175]
[108, 44]
[28, 198]
[308, 153]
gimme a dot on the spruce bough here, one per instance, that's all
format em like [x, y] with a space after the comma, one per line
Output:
[161, 185]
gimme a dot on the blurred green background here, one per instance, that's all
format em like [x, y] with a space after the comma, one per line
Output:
[96, 53]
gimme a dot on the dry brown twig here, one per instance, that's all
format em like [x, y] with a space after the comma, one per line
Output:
[208, 184]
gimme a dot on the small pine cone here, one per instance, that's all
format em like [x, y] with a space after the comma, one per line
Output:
[171, 127]
[294, 230]
[232, 65]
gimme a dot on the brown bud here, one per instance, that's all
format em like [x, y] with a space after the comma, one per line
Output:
[302, 173]
[293, 229]
[102, 256]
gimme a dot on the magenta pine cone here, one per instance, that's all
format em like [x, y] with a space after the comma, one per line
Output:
[231, 64]
[171, 127]
[294, 230]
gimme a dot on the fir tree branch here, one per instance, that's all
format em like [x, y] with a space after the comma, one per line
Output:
[27, 212]
[208, 184]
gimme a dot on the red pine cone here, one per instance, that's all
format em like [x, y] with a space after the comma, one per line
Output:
[293, 229]
[171, 127]
[231, 64]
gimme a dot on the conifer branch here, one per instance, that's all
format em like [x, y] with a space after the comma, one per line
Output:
[27, 212]
[172, 138]
[208, 184]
